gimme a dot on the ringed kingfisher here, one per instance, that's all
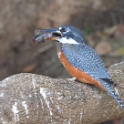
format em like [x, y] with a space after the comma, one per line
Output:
[80, 60]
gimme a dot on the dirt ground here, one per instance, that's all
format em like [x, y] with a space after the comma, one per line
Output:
[100, 21]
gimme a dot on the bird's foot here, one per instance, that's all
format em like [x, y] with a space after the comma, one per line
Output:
[116, 91]
[71, 79]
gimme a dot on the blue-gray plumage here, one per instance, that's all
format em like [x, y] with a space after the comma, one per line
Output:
[86, 59]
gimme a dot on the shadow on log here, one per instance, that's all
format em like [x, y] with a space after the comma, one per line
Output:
[36, 99]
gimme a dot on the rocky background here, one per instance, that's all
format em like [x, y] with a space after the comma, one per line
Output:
[101, 21]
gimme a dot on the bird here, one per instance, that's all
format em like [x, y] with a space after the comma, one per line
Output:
[80, 60]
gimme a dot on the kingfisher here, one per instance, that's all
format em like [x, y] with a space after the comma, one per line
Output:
[80, 60]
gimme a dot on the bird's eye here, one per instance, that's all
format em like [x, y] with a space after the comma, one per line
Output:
[62, 30]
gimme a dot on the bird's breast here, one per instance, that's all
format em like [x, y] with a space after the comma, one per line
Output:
[80, 75]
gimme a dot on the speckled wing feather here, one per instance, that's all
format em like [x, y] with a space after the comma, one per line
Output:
[85, 58]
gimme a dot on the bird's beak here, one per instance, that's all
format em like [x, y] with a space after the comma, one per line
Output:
[47, 34]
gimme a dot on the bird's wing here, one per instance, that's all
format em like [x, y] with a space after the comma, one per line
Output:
[84, 58]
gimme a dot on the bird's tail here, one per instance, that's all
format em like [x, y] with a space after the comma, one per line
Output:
[111, 91]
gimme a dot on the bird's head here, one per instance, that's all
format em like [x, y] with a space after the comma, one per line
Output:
[64, 35]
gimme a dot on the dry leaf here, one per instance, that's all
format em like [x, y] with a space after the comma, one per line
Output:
[110, 31]
[103, 48]
[29, 68]
[120, 31]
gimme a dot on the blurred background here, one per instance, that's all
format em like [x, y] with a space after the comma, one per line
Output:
[101, 21]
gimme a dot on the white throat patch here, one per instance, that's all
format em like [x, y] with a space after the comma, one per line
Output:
[67, 41]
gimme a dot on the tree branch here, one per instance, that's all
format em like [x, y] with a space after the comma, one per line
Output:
[36, 99]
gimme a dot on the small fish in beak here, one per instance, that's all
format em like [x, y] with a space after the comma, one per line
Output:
[47, 34]
[42, 37]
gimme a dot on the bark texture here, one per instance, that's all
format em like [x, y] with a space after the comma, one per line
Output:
[36, 99]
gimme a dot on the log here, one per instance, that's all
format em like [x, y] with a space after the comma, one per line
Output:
[35, 99]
